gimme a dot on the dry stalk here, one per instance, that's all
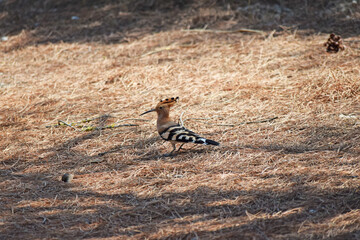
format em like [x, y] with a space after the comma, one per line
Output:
[232, 125]
[225, 31]
[78, 126]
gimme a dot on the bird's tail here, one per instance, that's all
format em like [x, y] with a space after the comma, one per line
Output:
[206, 141]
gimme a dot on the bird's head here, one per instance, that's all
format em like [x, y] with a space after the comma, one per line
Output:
[163, 107]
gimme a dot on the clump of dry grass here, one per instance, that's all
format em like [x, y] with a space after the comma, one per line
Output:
[336, 86]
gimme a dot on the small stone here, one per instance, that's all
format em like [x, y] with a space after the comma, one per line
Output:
[312, 211]
[67, 177]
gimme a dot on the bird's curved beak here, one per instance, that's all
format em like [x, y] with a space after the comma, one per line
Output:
[152, 110]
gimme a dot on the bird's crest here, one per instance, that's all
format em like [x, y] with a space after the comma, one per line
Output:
[168, 101]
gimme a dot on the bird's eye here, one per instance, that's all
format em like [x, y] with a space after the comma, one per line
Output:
[160, 107]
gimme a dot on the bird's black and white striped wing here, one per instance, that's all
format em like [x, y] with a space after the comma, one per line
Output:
[180, 134]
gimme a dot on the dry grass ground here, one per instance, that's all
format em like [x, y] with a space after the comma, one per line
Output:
[296, 177]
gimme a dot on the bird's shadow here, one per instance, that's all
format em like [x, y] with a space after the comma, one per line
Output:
[177, 154]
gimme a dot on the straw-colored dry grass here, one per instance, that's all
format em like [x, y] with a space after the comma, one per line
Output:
[296, 177]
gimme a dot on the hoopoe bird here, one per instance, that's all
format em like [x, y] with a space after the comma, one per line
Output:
[172, 131]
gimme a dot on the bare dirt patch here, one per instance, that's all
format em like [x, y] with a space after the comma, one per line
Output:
[295, 177]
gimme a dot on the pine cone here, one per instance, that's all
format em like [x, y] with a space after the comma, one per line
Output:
[334, 43]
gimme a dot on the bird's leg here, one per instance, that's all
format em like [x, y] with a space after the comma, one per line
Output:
[170, 153]
[180, 147]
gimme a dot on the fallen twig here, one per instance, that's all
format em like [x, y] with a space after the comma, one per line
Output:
[91, 128]
[168, 48]
[160, 49]
[234, 125]
[243, 123]
[79, 126]
[60, 122]
[260, 121]
[225, 31]
[133, 119]
[172, 47]
[181, 121]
